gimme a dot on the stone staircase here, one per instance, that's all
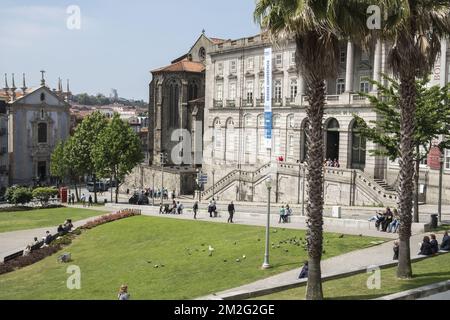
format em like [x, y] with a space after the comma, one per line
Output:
[385, 185]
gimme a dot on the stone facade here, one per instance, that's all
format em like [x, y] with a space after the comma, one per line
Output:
[4, 161]
[38, 121]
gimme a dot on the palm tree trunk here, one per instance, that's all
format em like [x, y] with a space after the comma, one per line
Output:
[416, 186]
[314, 209]
[408, 93]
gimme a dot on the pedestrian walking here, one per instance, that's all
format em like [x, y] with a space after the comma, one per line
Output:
[195, 209]
[83, 200]
[73, 198]
[231, 211]
[210, 208]
[91, 203]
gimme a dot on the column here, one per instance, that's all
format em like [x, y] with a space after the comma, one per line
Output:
[377, 64]
[349, 67]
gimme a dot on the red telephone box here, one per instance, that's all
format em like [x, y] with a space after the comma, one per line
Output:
[63, 195]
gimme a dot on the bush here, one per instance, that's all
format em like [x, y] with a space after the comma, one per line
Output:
[44, 194]
[33, 257]
[18, 195]
[111, 217]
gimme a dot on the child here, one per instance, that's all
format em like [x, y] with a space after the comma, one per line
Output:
[123, 293]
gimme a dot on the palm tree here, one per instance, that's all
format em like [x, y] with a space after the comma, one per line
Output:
[316, 26]
[415, 28]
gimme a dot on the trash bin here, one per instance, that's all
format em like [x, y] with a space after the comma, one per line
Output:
[434, 221]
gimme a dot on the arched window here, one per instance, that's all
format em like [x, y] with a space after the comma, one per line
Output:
[332, 140]
[42, 133]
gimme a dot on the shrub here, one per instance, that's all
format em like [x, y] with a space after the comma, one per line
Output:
[110, 218]
[18, 195]
[33, 257]
[44, 194]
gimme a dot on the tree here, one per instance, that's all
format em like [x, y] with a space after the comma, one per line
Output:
[415, 28]
[58, 165]
[316, 27]
[83, 142]
[432, 121]
[44, 194]
[117, 151]
[18, 195]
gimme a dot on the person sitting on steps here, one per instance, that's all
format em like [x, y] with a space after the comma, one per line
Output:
[445, 246]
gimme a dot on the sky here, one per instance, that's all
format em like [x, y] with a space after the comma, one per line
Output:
[113, 44]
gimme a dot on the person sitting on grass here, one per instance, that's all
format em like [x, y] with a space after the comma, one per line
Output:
[434, 244]
[425, 248]
[445, 246]
[396, 250]
[123, 293]
[304, 273]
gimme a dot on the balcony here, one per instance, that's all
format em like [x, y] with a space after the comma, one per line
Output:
[218, 103]
[290, 101]
[231, 103]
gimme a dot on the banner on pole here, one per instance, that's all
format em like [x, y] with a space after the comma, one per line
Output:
[268, 96]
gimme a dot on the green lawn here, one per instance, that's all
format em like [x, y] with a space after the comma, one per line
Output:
[22, 220]
[429, 271]
[128, 250]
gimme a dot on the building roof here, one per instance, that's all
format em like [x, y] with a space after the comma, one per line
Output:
[183, 66]
[217, 40]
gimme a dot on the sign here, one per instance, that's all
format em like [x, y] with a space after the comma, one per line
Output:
[434, 158]
[268, 96]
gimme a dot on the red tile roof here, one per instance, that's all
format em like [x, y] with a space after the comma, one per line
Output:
[183, 66]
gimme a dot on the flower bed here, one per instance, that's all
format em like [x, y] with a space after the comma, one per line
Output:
[61, 242]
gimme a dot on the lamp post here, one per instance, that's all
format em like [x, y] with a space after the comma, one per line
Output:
[213, 183]
[163, 161]
[266, 264]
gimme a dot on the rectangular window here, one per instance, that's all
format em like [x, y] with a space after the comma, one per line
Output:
[250, 64]
[261, 90]
[292, 58]
[249, 92]
[343, 56]
[278, 92]
[279, 60]
[340, 86]
[220, 92]
[447, 159]
[364, 85]
[294, 89]
[232, 93]
[233, 66]
[291, 146]
[220, 68]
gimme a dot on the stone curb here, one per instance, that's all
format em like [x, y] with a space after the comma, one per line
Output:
[419, 293]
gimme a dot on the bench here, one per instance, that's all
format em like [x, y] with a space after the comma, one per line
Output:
[13, 256]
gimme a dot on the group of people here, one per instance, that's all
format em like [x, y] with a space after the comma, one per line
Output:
[48, 238]
[332, 163]
[87, 201]
[429, 246]
[156, 193]
[387, 221]
[285, 213]
[176, 208]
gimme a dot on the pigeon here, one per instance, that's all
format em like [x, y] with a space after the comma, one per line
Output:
[156, 266]
[341, 237]
[244, 257]
[238, 260]
[225, 261]
[211, 250]
[149, 262]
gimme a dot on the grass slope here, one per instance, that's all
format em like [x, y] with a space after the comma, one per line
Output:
[127, 251]
[23, 220]
[429, 271]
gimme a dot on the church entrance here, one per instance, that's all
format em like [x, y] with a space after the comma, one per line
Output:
[332, 140]
[42, 170]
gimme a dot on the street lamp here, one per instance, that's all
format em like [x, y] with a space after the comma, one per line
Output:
[266, 264]
[163, 162]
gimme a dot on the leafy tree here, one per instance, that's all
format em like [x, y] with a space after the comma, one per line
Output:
[316, 27]
[432, 121]
[44, 194]
[117, 151]
[58, 165]
[83, 143]
[415, 28]
[18, 195]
